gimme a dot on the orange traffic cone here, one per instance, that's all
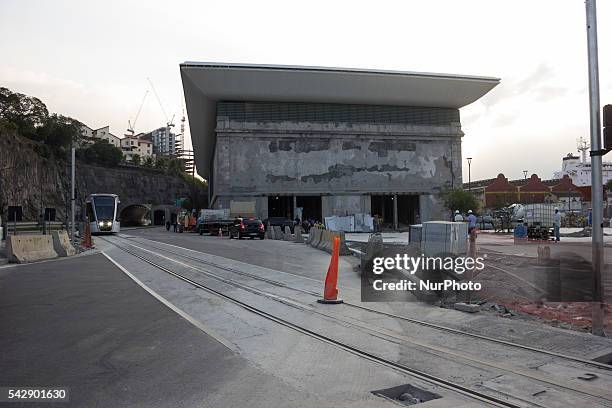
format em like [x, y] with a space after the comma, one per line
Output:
[87, 238]
[330, 293]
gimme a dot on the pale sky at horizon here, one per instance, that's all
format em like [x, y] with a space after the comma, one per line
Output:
[91, 60]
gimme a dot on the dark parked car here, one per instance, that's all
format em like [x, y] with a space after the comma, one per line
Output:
[280, 222]
[243, 227]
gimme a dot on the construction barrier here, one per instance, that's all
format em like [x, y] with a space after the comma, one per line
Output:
[316, 236]
[326, 241]
[87, 242]
[278, 233]
[344, 250]
[310, 235]
[288, 236]
[61, 244]
[298, 235]
[330, 291]
[30, 248]
[269, 232]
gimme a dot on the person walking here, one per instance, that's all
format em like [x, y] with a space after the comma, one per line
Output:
[557, 225]
[458, 217]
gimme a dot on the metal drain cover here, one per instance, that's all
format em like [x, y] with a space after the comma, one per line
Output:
[406, 394]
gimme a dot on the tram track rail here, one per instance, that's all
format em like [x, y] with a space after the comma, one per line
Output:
[383, 334]
[449, 385]
[592, 363]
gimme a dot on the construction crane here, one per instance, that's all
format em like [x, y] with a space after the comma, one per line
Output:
[169, 123]
[131, 125]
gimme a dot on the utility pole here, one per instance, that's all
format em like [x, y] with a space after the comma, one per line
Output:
[596, 170]
[469, 160]
[72, 197]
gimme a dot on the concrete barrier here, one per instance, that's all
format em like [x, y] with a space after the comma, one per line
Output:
[278, 233]
[310, 234]
[288, 236]
[325, 242]
[61, 244]
[298, 235]
[30, 248]
[316, 238]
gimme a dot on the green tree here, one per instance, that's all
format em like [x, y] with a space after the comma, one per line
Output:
[136, 159]
[102, 153]
[58, 132]
[26, 112]
[176, 166]
[459, 199]
[161, 162]
[198, 191]
[148, 162]
[31, 119]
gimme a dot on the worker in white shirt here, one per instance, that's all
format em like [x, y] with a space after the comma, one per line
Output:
[472, 221]
[458, 217]
[557, 225]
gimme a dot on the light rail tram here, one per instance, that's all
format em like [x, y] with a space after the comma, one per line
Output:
[102, 213]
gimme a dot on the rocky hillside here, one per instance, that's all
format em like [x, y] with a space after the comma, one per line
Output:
[33, 181]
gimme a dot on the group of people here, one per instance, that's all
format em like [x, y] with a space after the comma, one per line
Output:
[472, 222]
[307, 224]
[471, 219]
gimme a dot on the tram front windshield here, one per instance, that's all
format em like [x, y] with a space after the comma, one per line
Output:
[105, 207]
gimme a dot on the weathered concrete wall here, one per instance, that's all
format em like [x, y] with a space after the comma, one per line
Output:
[314, 158]
[31, 180]
[342, 160]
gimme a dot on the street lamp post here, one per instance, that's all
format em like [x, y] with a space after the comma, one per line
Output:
[596, 169]
[469, 160]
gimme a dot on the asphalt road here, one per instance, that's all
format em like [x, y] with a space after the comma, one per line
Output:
[83, 324]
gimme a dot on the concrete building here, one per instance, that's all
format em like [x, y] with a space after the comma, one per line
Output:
[129, 145]
[86, 132]
[329, 141]
[164, 141]
[136, 145]
[89, 135]
[105, 134]
[500, 192]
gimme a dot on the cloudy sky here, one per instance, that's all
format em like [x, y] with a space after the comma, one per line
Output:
[91, 60]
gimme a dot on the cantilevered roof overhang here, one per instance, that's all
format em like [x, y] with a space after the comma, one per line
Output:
[205, 83]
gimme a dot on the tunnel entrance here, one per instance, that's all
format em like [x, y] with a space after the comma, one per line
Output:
[159, 217]
[280, 206]
[135, 215]
[15, 213]
[311, 207]
[49, 214]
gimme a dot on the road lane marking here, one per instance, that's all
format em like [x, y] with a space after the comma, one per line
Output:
[174, 308]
